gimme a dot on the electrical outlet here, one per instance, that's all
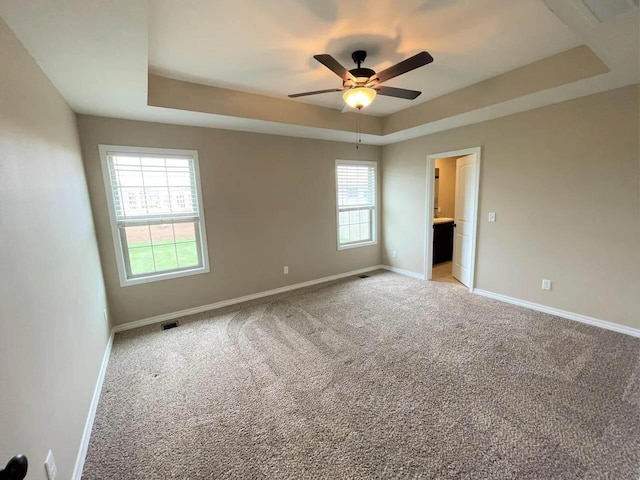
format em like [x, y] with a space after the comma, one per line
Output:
[492, 216]
[546, 284]
[50, 466]
[395, 254]
[286, 270]
[104, 314]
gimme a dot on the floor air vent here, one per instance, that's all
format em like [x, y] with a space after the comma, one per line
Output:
[364, 275]
[167, 326]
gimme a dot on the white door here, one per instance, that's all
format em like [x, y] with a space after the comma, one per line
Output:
[464, 218]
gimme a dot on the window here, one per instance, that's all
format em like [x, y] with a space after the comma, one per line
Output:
[155, 204]
[356, 203]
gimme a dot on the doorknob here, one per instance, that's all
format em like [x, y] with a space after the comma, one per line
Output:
[16, 469]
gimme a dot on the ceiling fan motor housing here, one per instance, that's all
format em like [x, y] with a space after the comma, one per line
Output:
[362, 73]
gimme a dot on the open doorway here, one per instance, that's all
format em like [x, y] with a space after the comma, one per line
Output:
[453, 184]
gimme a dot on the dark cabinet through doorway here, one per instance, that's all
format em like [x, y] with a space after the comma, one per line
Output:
[442, 242]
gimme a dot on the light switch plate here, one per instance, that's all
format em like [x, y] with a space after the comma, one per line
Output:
[492, 216]
[50, 466]
[395, 254]
[286, 270]
[546, 284]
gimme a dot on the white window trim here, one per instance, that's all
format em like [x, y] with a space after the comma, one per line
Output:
[374, 217]
[155, 277]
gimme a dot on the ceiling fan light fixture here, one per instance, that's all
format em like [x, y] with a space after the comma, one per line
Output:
[359, 97]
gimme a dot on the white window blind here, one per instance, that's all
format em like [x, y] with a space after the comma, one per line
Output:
[156, 213]
[152, 189]
[356, 202]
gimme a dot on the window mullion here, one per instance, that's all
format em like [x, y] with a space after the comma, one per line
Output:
[166, 176]
[125, 251]
[199, 244]
[363, 207]
[175, 247]
[153, 253]
[144, 189]
[139, 222]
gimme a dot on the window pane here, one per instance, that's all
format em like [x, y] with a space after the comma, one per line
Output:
[132, 201]
[357, 227]
[161, 234]
[137, 236]
[141, 260]
[153, 186]
[344, 234]
[178, 172]
[165, 257]
[185, 232]
[354, 233]
[127, 161]
[356, 184]
[156, 248]
[365, 231]
[129, 173]
[187, 254]
[181, 199]
[154, 172]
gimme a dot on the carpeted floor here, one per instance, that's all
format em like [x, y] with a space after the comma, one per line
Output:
[382, 377]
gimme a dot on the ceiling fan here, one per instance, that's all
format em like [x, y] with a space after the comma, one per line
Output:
[360, 85]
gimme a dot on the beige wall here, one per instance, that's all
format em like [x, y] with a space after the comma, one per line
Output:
[269, 201]
[447, 187]
[181, 95]
[51, 290]
[560, 69]
[564, 183]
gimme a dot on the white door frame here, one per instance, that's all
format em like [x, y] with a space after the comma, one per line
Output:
[430, 185]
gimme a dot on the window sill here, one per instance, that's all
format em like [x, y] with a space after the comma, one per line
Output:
[357, 245]
[124, 282]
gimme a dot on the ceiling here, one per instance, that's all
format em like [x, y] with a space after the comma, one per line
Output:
[99, 55]
[270, 50]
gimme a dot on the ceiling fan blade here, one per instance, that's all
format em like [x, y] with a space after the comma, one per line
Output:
[418, 60]
[397, 92]
[335, 66]
[304, 94]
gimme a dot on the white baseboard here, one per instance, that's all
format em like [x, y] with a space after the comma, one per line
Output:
[560, 313]
[86, 435]
[232, 301]
[407, 273]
